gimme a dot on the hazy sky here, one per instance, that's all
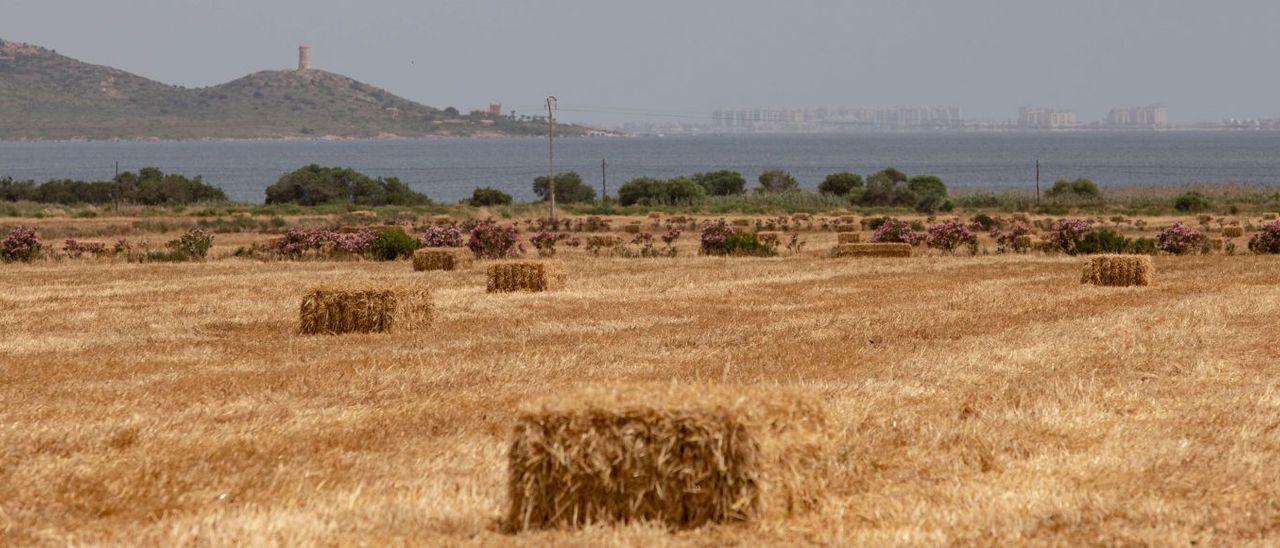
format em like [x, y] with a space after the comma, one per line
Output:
[1206, 59]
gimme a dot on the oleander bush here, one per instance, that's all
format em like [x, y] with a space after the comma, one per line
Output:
[1179, 239]
[489, 240]
[1266, 242]
[21, 244]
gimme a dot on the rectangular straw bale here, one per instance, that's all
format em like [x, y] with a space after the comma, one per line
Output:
[1232, 231]
[631, 229]
[364, 308]
[441, 258]
[683, 456]
[769, 237]
[872, 250]
[1118, 270]
[508, 276]
[848, 237]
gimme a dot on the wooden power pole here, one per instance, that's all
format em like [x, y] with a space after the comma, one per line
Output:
[604, 183]
[551, 153]
[1037, 182]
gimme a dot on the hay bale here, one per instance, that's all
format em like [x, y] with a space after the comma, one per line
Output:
[740, 222]
[1217, 244]
[872, 250]
[509, 276]
[441, 258]
[684, 456]
[845, 229]
[1118, 270]
[848, 237]
[631, 229]
[1022, 243]
[1232, 231]
[655, 214]
[364, 308]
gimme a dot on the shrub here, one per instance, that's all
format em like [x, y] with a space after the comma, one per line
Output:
[442, 236]
[1013, 238]
[887, 189]
[774, 181]
[1080, 189]
[893, 230]
[77, 249]
[1065, 235]
[193, 245]
[1191, 202]
[1179, 239]
[22, 244]
[841, 184]
[545, 242]
[930, 193]
[297, 241]
[392, 244]
[718, 238]
[486, 196]
[489, 240]
[1267, 241]
[315, 185]
[569, 189]
[984, 222]
[948, 235]
[647, 191]
[721, 183]
[1103, 240]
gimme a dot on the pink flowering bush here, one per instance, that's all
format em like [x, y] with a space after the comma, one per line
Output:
[718, 238]
[489, 240]
[948, 235]
[1065, 235]
[22, 244]
[76, 249]
[299, 241]
[442, 236]
[1008, 239]
[1267, 241]
[714, 236]
[1179, 239]
[895, 231]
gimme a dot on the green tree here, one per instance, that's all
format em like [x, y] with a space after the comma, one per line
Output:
[887, 188]
[930, 193]
[841, 184]
[776, 180]
[1080, 189]
[648, 191]
[486, 196]
[721, 183]
[315, 185]
[569, 189]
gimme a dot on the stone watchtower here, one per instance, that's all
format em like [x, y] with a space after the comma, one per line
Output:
[304, 58]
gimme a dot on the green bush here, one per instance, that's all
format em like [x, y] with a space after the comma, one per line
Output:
[721, 183]
[315, 185]
[774, 181]
[1192, 202]
[392, 244]
[841, 184]
[486, 196]
[1077, 190]
[646, 191]
[1103, 240]
[569, 189]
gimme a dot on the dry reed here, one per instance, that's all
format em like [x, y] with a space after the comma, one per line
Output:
[1118, 270]
[441, 258]
[679, 455]
[364, 308]
[509, 276]
[872, 250]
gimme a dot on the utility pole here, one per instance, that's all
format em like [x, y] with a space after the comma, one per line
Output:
[1037, 182]
[604, 183]
[551, 152]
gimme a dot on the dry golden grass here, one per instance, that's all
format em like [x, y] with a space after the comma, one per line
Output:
[871, 250]
[978, 400]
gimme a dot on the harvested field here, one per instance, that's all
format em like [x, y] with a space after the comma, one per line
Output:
[987, 400]
[871, 250]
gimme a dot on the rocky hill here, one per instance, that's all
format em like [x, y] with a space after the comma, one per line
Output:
[45, 95]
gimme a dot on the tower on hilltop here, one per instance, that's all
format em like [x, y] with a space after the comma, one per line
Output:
[304, 58]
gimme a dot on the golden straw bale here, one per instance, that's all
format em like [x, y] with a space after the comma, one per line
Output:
[441, 258]
[508, 276]
[631, 229]
[680, 455]
[845, 229]
[872, 250]
[741, 222]
[655, 214]
[1217, 244]
[364, 308]
[1232, 231]
[1118, 270]
[848, 237]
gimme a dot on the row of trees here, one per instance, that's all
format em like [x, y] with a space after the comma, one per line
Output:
[149, 186]
[315, 185]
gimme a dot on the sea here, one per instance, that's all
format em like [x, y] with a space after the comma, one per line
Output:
[448, 170]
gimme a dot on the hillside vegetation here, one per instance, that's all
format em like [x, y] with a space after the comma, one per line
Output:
[45, 95]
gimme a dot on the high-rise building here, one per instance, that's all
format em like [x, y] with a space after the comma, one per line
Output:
[1149, 116]
[1046, 118]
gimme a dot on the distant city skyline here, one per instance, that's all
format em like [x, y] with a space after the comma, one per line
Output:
[612, 61]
